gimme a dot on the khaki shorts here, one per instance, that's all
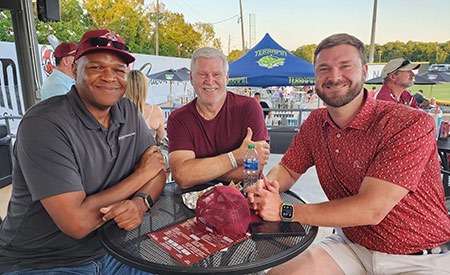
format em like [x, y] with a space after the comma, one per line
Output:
[355, 259]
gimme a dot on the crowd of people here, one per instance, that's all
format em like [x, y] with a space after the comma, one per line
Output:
[94, 154]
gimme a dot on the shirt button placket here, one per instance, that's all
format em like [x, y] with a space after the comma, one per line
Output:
[338, 135]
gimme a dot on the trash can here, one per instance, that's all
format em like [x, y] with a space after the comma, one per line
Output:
[5, 157]
[281, 138]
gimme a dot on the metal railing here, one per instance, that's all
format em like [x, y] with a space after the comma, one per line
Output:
[7, 119]
[296, 115]
[284, 117]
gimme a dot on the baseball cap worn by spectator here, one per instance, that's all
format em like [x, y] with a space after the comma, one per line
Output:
[223, 210]
[65, 49]
[398, 64]
[97, 40]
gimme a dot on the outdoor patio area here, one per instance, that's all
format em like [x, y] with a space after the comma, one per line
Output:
[307, 187]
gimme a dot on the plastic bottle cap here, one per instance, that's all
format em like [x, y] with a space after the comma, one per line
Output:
[251, 146]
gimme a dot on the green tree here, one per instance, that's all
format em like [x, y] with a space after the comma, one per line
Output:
[74, 23]
[208, 35]
[305, 52]
[6, 29]
[234, 55]
[446, 48]
[180, 35]
[130, 19]
[393, 50]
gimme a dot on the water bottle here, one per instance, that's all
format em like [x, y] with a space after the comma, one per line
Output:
[251, 166]
[437, 115]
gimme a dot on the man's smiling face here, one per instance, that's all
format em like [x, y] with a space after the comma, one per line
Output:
[339, 75]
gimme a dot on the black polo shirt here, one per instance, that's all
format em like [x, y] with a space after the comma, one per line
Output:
[62, 148]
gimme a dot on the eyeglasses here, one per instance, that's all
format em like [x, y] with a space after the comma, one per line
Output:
[102, 42]
[404, 63]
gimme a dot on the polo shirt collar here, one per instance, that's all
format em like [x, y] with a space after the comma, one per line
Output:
[87, 118]
[363, 119]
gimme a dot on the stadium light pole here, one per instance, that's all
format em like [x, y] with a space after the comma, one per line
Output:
[242, 28]
[157, 29]
[372, 36]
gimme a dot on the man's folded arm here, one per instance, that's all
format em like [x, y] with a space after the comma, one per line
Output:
[77, 215]
[188, 171]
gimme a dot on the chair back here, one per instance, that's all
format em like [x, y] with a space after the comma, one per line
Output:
[5, 157]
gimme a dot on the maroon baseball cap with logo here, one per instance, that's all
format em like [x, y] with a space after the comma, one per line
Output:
[96, 40]
[223, 210]
[65, 49]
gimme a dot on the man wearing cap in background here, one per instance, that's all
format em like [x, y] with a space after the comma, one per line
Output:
[208, 137]
[377, 163]
[419, 97]
[61, 79]
[397, 75]
[81, 159]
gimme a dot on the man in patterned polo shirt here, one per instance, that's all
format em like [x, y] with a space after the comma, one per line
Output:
[397, 75]
[378, 164]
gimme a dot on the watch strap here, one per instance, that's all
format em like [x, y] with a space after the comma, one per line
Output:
[147, 199]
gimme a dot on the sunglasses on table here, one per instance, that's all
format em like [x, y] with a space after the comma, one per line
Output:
[102, 42]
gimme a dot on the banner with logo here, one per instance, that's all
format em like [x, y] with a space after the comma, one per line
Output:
[269, 64]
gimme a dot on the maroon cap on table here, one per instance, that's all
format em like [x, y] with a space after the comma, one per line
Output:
[65, 49]
[85, 46]
[223, 210]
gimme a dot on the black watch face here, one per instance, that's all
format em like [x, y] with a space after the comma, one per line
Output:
[149, 200]
[287, 211]
[149, 203]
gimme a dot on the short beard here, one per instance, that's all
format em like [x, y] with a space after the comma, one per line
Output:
[408, 84]
[352, 93]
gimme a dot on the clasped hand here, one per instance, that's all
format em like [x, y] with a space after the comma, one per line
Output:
[264, 198]
[127, 213]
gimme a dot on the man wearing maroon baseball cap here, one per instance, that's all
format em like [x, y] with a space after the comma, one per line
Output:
[103, 40]
[81, 159]
[61, 79]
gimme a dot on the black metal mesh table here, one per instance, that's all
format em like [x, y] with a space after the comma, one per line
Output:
[136, 249]
[443, 146]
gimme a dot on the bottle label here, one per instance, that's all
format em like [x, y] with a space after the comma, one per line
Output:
[438, 126]
[251, 165]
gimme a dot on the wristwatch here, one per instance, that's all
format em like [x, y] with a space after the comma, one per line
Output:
[147, 199]
[286, 212]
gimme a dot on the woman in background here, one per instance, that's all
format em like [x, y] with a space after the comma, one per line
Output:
[137, 90]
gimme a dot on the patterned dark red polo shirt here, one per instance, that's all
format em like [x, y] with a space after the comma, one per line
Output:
[388, 141]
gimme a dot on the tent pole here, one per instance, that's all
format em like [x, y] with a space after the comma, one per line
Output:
[170, 95]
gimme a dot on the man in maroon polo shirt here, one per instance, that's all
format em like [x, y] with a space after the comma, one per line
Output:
[208, 137]
[397, 75]
[377, 163]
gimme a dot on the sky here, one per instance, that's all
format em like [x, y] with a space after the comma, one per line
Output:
[301, 22]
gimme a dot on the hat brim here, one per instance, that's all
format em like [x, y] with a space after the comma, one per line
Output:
[409, 67]
[72, 53]
[128, 58]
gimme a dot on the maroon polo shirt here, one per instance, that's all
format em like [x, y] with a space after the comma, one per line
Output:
[405, 98]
